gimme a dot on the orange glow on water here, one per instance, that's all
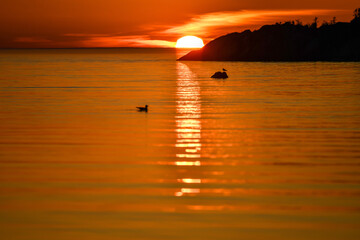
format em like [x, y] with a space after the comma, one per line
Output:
[271, 153]
[187, 163]
[184, 191]
[189, 180]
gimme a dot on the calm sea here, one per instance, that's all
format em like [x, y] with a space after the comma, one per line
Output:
[273, 152]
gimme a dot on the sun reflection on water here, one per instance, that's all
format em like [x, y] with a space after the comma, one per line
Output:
[188, 125]
[188, 113]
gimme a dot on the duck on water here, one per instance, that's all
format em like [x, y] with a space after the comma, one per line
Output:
[142, 109]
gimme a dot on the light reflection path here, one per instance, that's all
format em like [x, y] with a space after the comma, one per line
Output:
[188, 125]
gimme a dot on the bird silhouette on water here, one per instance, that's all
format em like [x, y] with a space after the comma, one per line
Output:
[142, 109]
[220, 75]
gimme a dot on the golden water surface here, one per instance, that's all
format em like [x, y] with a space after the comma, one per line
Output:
[273, 152]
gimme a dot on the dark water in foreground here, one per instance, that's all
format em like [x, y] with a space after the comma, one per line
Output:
[271, 153]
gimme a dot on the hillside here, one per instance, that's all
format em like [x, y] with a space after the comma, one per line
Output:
[286, 42]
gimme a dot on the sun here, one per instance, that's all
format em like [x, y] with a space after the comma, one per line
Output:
[189, 42]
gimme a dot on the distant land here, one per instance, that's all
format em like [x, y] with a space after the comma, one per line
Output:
[289, 41]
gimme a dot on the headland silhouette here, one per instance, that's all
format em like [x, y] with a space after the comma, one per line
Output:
[289, 41]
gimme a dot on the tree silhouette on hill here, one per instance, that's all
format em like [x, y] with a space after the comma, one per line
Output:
[356, 16]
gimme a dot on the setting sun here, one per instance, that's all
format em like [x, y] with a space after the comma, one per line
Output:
[189, 42]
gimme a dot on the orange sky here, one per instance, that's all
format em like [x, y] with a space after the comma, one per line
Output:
[143, 23]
